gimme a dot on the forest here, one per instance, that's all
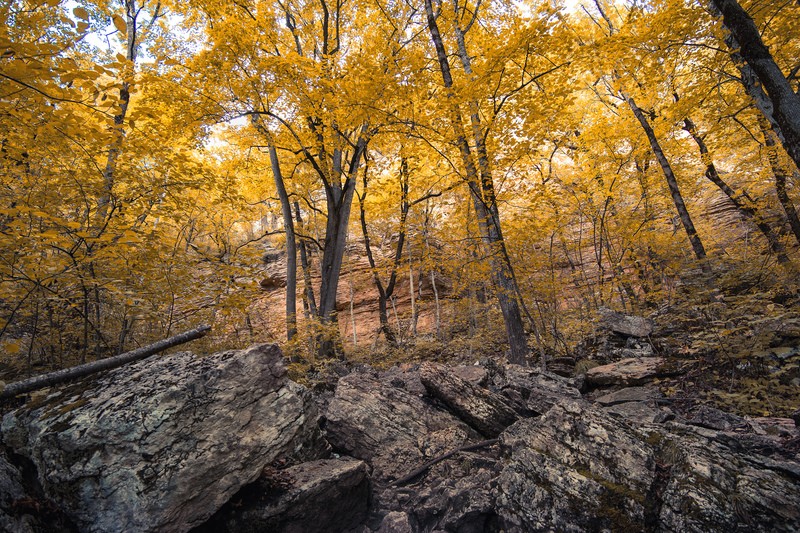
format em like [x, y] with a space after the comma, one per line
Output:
[479, 177]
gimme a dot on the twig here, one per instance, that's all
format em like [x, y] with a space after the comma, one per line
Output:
[468, 448]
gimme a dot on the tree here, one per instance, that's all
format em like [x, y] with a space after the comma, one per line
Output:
[785, 101]
[482, 192]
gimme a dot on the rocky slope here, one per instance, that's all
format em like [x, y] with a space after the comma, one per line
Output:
[227, 443]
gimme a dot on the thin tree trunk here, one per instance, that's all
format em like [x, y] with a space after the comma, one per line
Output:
[482, 191]
[785, 102]
[413, 325]
[385, 293]
[305, 264]
[677, 198]
[291, 245]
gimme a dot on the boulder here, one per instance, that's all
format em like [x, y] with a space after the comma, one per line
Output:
[632, 371]
[487, 412]
[389, 427]
[578, 468]
[161, 444]
[532, 390]
[630, 326]
[325, 496]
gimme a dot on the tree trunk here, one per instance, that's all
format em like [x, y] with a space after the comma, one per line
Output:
[385, 293]
[291, 245]
[60, 376]
[482, 191]
[785, 102]
[677, 198]
[339, 198]
[305, 264]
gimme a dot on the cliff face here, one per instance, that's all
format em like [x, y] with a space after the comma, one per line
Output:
[357, 296]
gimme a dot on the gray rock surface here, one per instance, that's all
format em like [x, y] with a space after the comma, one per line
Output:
[579, 468]
[325, 496]
[630, 394]
[161, 444]
[534, 390]
[632, 326]
[487, 412]
[631, 371]
[389, 427]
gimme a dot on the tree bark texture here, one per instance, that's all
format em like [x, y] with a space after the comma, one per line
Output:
[785, 102]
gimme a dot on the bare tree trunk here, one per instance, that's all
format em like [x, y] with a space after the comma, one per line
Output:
[482, 191]
[291, 245]
[305, 264]
[785, 102]
[413, 325]
[677, 198]
[385, 293]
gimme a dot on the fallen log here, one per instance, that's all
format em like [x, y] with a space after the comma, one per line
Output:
[66, 374]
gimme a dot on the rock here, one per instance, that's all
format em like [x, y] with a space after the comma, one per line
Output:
[457, 494]
[324, 496]
[161, 444]
[796, 417]
[475, 374]
[534, 390]
[637, 412]
[578, 468]
[630, 394]
[631, 371]
[487, 412]
[395, 522]
[711, 418]
[631, 326]
[779, 427]
[562, 366]
[392, 429]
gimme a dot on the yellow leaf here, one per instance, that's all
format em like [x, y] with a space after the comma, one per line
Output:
[81, 13]
[12, 348]
[119, 24]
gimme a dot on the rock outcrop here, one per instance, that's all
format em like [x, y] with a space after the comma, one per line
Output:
[578, 468]
[161, 444]
[383, 423]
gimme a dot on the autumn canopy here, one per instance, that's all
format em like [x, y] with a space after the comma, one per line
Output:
[341, 175]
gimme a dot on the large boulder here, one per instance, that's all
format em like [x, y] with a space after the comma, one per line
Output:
[390, 427]
[532, 390]
[579, 468]
[486, 411]
[161, 444]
